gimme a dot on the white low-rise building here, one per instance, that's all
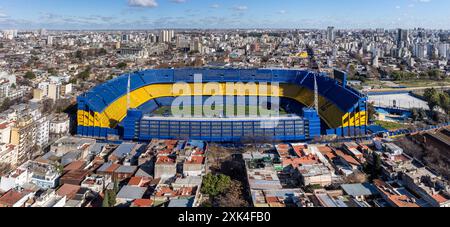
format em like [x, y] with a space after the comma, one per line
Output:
[42, 131]
[60, 124]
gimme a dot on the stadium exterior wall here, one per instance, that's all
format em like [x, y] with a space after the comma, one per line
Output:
[101, 110]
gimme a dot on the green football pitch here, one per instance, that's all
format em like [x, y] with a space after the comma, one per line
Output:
[227, 111]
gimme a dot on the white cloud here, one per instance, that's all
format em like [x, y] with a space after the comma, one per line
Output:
[143, 3]
[178, 1]
[240, 8]
[215, 6]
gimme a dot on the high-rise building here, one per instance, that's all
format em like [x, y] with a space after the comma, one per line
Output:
[50, 40]
[125, 37]
[166, 36]
[23, 135]
[402, 37]
[443, 49]
[10, 34]
[54, 91]
[42, 32]
[419, 50]
[151, 38]
[42, 131]
[331, 35]
[196, 45]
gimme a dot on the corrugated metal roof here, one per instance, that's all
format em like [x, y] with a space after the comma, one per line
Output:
[124, 149]
[131, 193]
[365, 189]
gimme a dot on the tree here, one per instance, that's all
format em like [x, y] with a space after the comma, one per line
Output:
[371, 111]
[102, 51]
[112, 198]
[5, 104]
[4, 168]
[109, 199]
[232, 197]
[47, 106]
[213, 185]
[85, 74]
[432, 97]
[52, 71]
[122, 65]
[79, 54]
[30, 75]
[58, 167]
[415, 114]
[439, 117]
[434, 74]
[312, 187]
[376, 167]
[1, 45]
[356, 177]
[444, 101]
[105, 202]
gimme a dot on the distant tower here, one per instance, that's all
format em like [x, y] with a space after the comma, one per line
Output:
[331, 34]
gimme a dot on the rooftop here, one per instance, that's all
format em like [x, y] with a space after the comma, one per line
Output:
[12, 197]
[131, 193]
[356, 190]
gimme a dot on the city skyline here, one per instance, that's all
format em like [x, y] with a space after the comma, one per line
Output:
[210, 14]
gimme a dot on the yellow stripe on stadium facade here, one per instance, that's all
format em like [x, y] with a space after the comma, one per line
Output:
[117, 110]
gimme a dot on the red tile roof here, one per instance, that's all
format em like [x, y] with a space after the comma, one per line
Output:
[112, 168]
[398, 200]
[139, 181]
[68, 190]
[164, 160]
[195, 160]
[347, 157]
[142, 203]
[440, 198]
[75, 165]
[12, 197]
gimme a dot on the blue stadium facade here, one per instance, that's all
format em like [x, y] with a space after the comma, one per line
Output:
[103, 111]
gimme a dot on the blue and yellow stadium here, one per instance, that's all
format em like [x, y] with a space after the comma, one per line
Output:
[115, 108]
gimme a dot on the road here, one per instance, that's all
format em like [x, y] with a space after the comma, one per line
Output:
[409, 89]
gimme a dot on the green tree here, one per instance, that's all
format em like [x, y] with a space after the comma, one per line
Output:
[102, 51]
[5, 104]
[109, 199]
[112, 198]
[85, 74]
[434, 74]
[444, 101]
[58, 167]
[312, 187]
[1, 45]
[371, 111]
[432, 97]
[214, 185]
[415, 114]
[122, 65]
[30, 75]
[105, 202]
[376, 167]
[79, 54]
[52, 71]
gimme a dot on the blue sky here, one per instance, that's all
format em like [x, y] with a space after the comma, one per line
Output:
[149, 14]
